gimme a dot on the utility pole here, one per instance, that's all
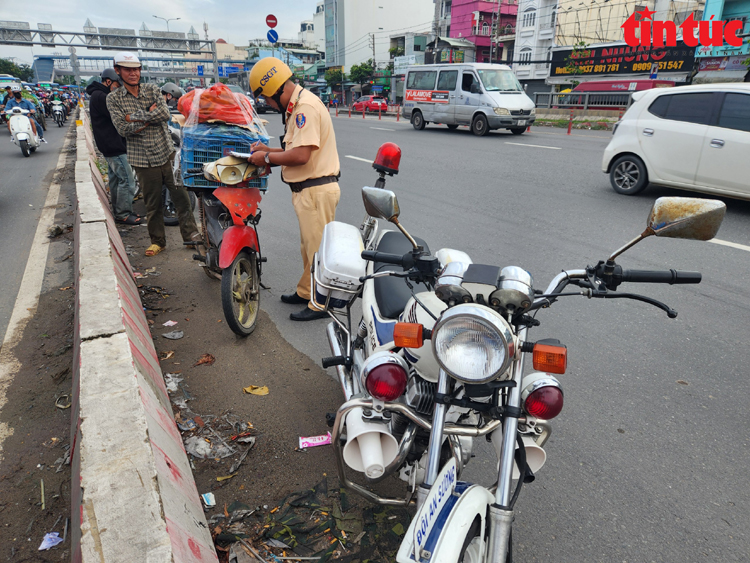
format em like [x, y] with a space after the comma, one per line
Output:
[372, 38]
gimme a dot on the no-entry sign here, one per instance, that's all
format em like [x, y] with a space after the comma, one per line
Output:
[271, 20]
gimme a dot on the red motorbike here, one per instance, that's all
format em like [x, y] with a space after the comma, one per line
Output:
[230, 249]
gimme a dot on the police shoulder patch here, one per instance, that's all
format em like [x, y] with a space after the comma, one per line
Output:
[300, 120]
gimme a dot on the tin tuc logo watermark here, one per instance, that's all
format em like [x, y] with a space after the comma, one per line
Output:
[656, 33]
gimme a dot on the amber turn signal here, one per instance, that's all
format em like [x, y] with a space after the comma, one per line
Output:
[408, 335]
[551, 359]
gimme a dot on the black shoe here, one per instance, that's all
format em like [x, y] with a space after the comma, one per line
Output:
[308, 314]
[293, 299]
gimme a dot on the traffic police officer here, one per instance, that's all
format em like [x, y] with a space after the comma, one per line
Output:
[309, 164]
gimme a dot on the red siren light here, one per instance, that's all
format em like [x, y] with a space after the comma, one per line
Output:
[388, 159]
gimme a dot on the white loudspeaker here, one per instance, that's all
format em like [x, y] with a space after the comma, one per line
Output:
[535, 455]
[369, 446]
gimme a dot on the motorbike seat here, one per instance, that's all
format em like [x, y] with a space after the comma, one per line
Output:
[392, 294]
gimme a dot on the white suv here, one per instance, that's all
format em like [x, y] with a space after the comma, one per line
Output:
[689, 137]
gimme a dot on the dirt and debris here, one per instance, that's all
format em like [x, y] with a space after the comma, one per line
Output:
[36, 452]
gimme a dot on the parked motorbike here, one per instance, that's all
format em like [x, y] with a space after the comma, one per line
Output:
[414, 411]
[21, 131]
[230, 249]
[58, 112]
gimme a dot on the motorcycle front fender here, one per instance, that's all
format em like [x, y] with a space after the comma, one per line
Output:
[22, 137]
[451, 527]
[234, 240]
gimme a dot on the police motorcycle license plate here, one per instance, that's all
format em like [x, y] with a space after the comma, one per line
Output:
[439, 495]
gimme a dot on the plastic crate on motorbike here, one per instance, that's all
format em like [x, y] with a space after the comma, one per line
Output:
[218, 122]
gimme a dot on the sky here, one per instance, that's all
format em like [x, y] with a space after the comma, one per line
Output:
[232, 20]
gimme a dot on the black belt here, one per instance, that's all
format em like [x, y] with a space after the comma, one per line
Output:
[299, 186]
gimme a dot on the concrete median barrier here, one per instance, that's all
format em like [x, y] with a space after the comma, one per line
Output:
[133, 494]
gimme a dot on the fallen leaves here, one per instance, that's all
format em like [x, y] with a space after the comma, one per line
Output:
[256, 390]
[205, 360]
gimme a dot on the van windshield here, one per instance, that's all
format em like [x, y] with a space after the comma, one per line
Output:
[499, 80]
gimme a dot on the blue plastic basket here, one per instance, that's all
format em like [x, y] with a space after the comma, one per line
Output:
[199, 149]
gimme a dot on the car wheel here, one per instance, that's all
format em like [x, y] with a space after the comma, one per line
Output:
[417, 120]
[628, 175]
[518, 130]
[453, 126]
[480, 126]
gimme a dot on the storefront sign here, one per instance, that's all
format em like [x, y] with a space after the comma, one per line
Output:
[723, 63]
[621, 59]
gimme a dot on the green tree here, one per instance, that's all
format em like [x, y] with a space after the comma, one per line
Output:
[362, 73]
[24, 72]
[396, 52]
[577, 58]
[334, 77]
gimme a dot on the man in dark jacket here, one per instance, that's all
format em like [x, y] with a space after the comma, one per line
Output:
[112, 146]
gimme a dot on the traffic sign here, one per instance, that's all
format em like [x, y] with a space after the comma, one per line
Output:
[654, 71]
[271, 20]
[221, 71]
[200, 70]
[272, 36]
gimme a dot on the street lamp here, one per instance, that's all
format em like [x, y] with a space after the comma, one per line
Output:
[167, 20]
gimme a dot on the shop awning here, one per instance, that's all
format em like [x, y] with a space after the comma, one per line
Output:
[714, 76]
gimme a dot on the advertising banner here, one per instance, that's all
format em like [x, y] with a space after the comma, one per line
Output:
[435, 96]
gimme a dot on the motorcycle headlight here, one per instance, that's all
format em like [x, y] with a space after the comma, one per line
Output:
[501, 111]
[473, 344]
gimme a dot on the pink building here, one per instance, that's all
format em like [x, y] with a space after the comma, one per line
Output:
[473, 20]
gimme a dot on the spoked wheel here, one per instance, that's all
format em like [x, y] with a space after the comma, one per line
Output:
[240, 293]
[628, 175]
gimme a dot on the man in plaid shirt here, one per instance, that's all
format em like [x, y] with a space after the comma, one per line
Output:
[140, 114]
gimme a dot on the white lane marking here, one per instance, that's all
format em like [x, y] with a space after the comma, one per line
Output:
[731, 244]
[28, 294]
[535, 146]
[382, 129]
[367, 160]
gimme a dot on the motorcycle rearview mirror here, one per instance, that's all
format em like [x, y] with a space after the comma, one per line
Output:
[689, 218]
[383, 204]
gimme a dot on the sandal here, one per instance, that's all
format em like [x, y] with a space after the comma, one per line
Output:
[154, 249]
[131, 219]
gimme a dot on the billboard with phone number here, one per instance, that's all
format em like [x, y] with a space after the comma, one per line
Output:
[435, 96]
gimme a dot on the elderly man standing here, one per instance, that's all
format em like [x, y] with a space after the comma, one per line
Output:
[140, 114]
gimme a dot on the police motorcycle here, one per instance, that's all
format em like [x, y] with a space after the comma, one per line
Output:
[439, 358]
[58, 112]
[20, 130]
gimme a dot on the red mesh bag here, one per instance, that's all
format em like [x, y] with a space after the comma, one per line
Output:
[216, 103]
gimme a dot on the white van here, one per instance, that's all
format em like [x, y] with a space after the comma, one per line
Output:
[482, 96]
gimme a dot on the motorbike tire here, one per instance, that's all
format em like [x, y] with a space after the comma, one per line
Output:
[42, 121]
[417, 121]
[59, 122]
[240, 293]
[25, 148]
[479, 126]
[32, 149]
[475, 553]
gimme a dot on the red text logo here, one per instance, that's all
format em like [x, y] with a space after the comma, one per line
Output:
[664, 33]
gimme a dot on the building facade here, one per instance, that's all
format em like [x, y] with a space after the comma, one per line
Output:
[480, 22]
[358, 31]
[727, 63]
[319, 27]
